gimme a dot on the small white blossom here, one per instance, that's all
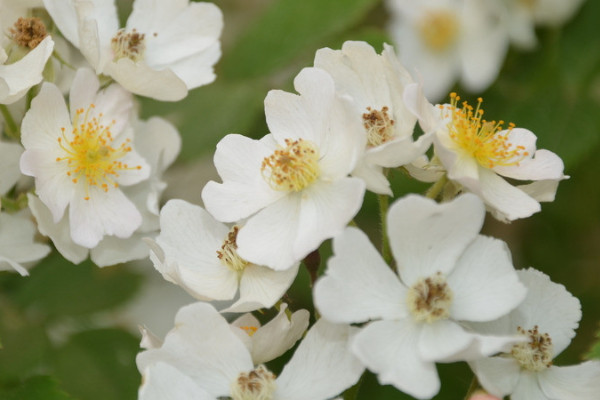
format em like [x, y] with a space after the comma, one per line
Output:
[446, 274]
[477, 154]
[293, 184]
[547, 319]
[158, 142]
[80, 159]
[199, 254]
[166, 48]
[202, 358]
[17, 246]
[441, 40]
[25, 47]
[376, 83]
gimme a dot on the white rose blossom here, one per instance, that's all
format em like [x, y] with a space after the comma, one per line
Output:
[158, 142]
[376, 83]
[547, 318]
[293, 184]
[81, 159]
[202, 358]
[441, 40]
[25, 47]
[166, 48]
[478, 154]
[447, 274]
[198, 253]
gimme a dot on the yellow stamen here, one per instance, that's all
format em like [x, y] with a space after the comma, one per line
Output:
[292, 168]
[130, 45]
[535, 354]
[379, 126]
[228, 253]
[438, 29]
[479, 138]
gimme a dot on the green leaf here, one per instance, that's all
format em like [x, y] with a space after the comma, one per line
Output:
[99, 365]
[35, 388]
[287, 29]
[56, 287]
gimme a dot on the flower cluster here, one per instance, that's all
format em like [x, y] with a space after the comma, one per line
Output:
[438, 292]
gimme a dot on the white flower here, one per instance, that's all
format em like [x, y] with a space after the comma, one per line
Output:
[9, 165]
[548, 318]
[441, 40]
[159, 143]
[376, 83]
[166, 47]
[25, 48]
[447, 274]
[203, 359]
[80, 159]
[17, 245]
[476, 153]
[293, 184]
[199, 254]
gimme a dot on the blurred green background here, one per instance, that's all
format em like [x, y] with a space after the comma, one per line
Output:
[68, 332]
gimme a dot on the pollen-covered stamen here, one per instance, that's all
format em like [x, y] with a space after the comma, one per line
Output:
[28, 32]
[89, 152]
[250, 330]
[484, 140]
[228, 253]
[429, 299]
[258, 384]
[292, 168]
[438, 29]
[536, 354]
[379, 126]
[128, 45]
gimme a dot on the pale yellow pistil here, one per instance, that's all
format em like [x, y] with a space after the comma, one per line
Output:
[379, 126]
[258, 384]
[438, 29]
[292, 168]
[130, 45]
[536, 354]
[429, 299]
[483, 140]
[228, 253]
[250, 330]
[89, 153]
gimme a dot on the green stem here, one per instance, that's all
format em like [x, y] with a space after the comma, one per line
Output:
[352, 393]
[386, 252]
[434, 191]
[12, 129]
[473, 387]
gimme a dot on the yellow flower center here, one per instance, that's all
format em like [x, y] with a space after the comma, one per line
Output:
[258, 384]
[429, 299]
[128, 45]
[438, 29]
[228, 253]
[379, 126]
[90, 154]
[479, 138]
[536, 354]
[292, 168]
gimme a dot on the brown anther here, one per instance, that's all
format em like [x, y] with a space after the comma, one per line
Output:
[28, 32]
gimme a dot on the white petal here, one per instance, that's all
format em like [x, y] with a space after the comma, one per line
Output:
[161, 381]
[10, 153]
[497, 375]
[426, 113]
[389, 349]
[399, 152]
[113, 250]
[373, 176]
[549, 306]
[59, 232]
[357, 285]
[244, 191]
[541, 190]
[198, 70]
[528, 388]
[278, 335]
[203, 347]
[17, 241]
[269, 236]
[325, 210]
[581, 382]
[484, 282]
[509, 201]
[83, 91]
[262, 287]
[321, 367]
[544, 165]
[427, 237]
[105, 213]
[140, 79]
[442, 339]
[65, 17]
